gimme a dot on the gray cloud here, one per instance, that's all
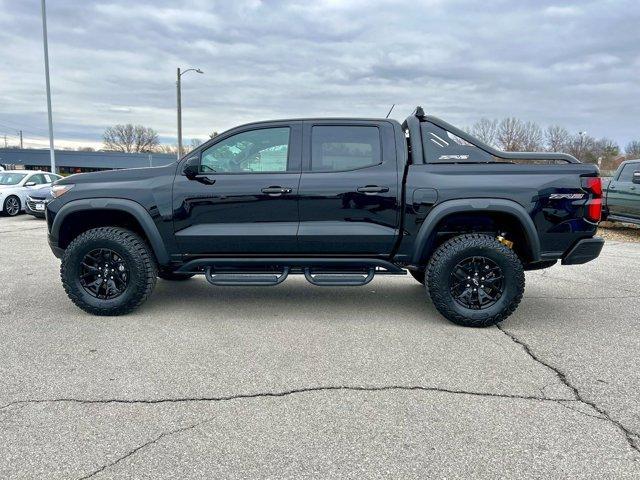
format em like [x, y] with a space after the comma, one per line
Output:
[114, 61]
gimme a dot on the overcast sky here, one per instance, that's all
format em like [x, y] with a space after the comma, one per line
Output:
[114, 61]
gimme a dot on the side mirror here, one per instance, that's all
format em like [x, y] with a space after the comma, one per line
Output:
[191, 168]
[636, 177]
[30, 184]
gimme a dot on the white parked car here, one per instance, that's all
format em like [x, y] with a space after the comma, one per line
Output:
[15, 185]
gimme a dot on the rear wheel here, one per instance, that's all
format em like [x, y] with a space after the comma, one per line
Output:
[11, 206]
[475, 281]
[108, 271]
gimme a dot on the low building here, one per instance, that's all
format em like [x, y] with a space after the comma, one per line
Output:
[68, 162]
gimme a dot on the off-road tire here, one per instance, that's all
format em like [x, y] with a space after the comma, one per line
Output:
[143, 270]
[173, 276]
[419, 275]
[449, 254]
[6, 202]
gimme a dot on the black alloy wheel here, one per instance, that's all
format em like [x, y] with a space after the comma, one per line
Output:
[476, 283]
[104, 274]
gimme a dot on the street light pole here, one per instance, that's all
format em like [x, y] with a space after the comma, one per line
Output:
[179, 115]
[52, 153]
[179, 104]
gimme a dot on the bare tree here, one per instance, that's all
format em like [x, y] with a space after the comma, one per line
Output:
[510, 134]
[130, 138]
[532, 137]
[557, 138]
[194, 143]
[632, 150]
[583, 146]
[485, 130]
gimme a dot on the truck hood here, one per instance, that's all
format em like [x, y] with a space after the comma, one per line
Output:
[107, 176]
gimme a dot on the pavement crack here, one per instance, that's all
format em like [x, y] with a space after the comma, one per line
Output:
[630, 436]
[142, 446]
[285, 393]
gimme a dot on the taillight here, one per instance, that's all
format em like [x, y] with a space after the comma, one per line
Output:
[594, 204]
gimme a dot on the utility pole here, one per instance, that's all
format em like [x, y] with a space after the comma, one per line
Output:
[21, 139]
[46, 75]
[179, 116]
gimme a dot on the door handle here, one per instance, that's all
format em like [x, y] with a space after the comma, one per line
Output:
[371, 189]
[275, 191]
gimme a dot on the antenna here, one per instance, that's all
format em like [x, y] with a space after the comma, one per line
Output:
[390, 110]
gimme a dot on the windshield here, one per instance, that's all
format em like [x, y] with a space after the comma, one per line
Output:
[11, 178]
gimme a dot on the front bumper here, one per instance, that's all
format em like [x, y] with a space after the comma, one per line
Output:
[33, 207]
[584, 251]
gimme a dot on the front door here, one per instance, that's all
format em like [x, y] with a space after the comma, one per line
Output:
[245, 200]
[349, 189]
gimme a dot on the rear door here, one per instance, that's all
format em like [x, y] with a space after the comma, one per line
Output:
[245, 200]
[349, 189]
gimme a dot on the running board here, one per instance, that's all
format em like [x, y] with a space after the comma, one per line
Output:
[339, 279]
[236, 279]
[294, 263]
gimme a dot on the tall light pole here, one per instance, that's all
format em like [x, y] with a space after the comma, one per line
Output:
[179, 94]
[52, 153]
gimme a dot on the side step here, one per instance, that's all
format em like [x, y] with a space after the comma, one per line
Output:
[234, 279]
[339, 279]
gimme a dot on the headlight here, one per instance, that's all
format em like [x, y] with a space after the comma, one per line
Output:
[59, 190]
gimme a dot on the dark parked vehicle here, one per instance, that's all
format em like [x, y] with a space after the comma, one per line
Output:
[337, 200]
[37, 201]
[622, 194]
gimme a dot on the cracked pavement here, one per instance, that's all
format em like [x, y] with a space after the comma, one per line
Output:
[298, 381]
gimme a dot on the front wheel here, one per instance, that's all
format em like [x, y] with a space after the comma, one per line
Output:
[474, 280]
[108, 271]
[12, 206]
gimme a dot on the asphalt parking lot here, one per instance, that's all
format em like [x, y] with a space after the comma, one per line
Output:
[296, 381]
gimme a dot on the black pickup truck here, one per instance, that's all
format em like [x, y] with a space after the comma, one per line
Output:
[337, 200]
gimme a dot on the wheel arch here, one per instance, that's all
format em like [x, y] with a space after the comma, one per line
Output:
[425, 242]
[79, 216]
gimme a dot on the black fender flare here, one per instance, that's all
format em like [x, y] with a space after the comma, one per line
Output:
[444, 209]
[129, 206]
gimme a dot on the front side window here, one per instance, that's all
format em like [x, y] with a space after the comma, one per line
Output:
[339, 148]
[263, 150]
[626, 175]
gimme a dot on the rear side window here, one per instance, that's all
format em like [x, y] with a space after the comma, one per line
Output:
[626, 175]
[338, 148]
